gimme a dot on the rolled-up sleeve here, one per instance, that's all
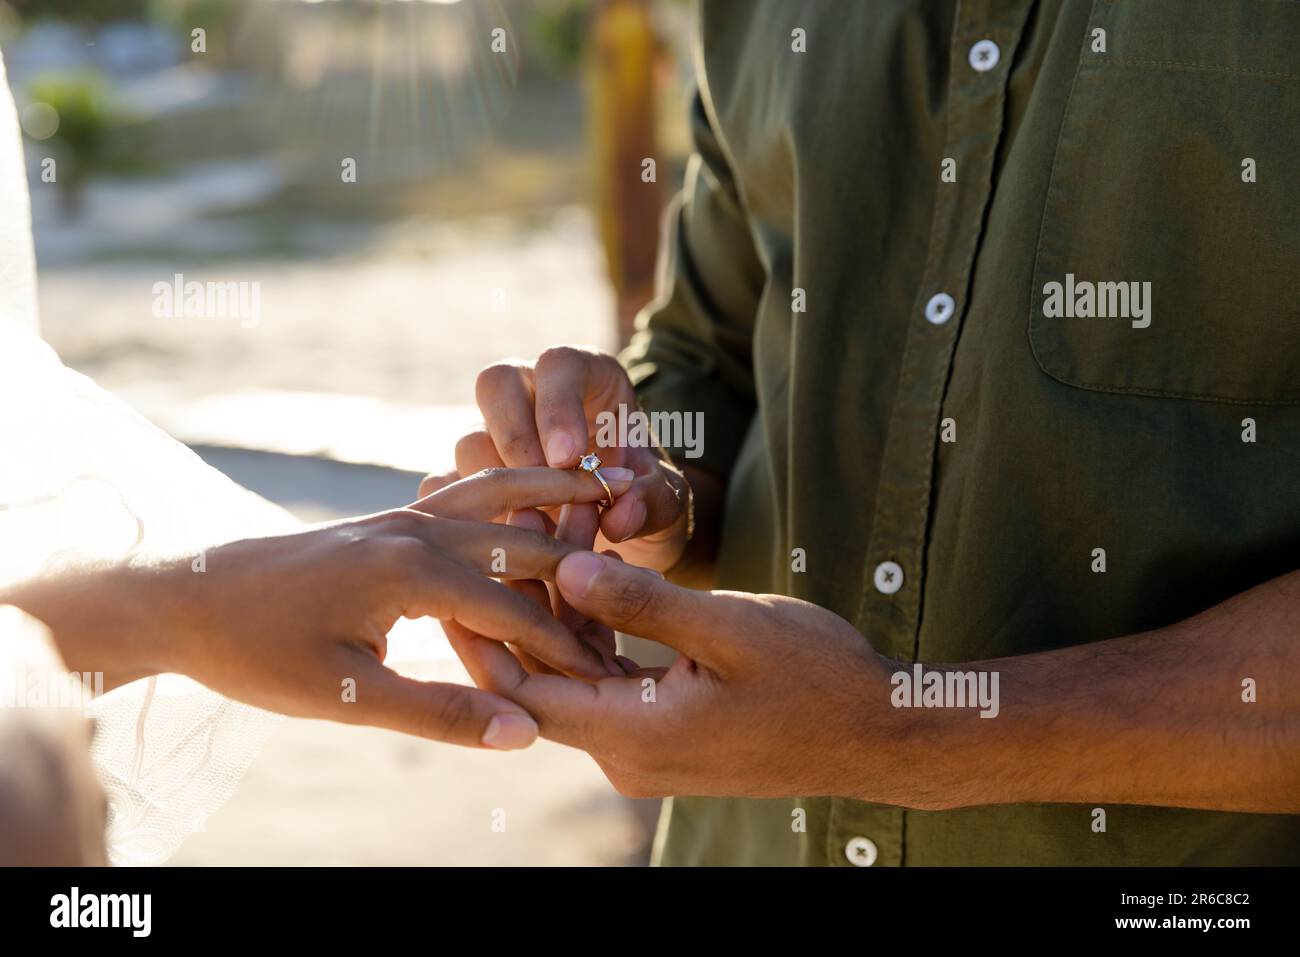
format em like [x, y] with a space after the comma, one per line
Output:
[693, 350]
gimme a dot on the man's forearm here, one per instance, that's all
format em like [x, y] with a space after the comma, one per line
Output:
[1201, 714]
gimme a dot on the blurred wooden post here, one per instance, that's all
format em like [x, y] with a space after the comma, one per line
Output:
[621, 130]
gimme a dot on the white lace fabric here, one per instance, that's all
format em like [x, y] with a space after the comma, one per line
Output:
[84, 477]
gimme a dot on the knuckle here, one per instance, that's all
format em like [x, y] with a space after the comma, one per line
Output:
[535, 553]
[367, 545]
[437, 481]
[679, 485]
[536, 617]
[517, 444]
[365, 525]
[500, 483]
[406, 561]
[563, 356]
[394, 547]
[494, 378]
[610, 363]
[412, 556]
[632, 599]
[555, 409]
[472, 446]
[552, 549]
[608, 368]
[447, 713]
[663, 496]
[406, 522]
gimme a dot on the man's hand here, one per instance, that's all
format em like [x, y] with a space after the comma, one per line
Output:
[771, 696]
[776, 697]
[545, 414]
[298, 623]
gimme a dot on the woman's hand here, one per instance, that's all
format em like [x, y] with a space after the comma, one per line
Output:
[298, 623]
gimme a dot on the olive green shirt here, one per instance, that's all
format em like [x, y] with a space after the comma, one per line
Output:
[858, 298]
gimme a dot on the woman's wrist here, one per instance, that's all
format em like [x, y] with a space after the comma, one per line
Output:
[121, 619]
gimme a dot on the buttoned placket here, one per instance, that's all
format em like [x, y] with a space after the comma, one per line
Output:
[985, 35]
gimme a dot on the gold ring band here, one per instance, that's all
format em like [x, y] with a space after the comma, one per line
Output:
[590, 463]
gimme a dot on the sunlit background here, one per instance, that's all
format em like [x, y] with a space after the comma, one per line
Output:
[499, 206]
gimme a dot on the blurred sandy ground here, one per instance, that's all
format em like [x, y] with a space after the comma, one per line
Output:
[407, 312]
[373, 349]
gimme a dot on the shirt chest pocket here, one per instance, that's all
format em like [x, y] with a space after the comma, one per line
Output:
[1167, 257]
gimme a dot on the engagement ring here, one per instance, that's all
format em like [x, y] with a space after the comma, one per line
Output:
[591, 463]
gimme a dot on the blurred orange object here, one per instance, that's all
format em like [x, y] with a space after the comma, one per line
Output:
[621, 129]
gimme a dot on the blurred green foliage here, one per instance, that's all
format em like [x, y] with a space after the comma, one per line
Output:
[81, 144]
[559, 29]
[181, 14]
[84, 11]
[185, 14]
[218, 18]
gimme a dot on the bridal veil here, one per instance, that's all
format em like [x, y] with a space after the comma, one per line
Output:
[82, 477]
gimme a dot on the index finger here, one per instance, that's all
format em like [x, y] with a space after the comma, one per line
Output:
[567, 382]
[504, 394]
[560, 379]
[567, 709]
[494, 492]
[447, 591]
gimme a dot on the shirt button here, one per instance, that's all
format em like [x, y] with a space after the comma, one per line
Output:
[861, 851]
[889, 577]
[984, 55]
[939, 309]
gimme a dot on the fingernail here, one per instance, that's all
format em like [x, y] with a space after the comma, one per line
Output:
[510, 732]
[559, 449]
[577, 571]
[617, 474]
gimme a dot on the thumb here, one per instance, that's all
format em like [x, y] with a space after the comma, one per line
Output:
[640, 602]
